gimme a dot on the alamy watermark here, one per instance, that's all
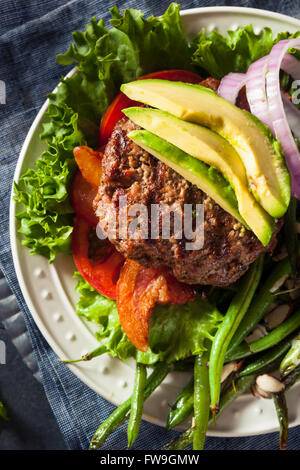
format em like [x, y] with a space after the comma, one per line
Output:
[156, 221]
[2, 352]
[2, 92]
[296, 94]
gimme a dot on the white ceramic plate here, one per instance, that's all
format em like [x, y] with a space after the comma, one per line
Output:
[50, 295]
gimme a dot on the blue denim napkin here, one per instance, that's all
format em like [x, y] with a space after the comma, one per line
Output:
[31, 34]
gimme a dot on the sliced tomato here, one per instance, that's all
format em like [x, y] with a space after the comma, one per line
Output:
[113, 115]
[89, 163]
[97, 260]
[85, 183]
[82, 196]
[138, 290]
[121, 101]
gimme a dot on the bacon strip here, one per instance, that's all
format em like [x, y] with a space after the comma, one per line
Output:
[138, 290]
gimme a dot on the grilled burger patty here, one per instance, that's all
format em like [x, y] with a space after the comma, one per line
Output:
[128, 170]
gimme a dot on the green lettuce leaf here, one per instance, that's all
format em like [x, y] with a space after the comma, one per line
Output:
[176, 331]
[179, 331]
[102, 311]
[218, 55]
[47, 217]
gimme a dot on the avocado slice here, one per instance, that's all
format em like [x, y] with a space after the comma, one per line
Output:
[205, 177]
[262, 155]
[212, 149]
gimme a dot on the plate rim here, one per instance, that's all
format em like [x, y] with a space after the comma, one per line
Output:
[243, 10]
[14, 241]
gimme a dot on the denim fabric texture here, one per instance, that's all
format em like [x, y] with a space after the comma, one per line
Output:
[31, 34]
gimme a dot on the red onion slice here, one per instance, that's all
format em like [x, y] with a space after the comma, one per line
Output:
[291, 65]
[280, 124]
[256, 91]
[231, 85]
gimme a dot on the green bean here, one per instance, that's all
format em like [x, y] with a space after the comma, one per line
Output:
[271, 356]
[120, 414]
[241, 385]
[184, 404]
[282, 415]
[115, 420]
[260, 304]
[290, 234]
[180, 442]
[237, 309]
[291, 378]
[271, 339]
[186, 438]
[201, 400]
[102, 349]
[292, 358]
[137, 403]
[281, 406]
[182, 407]
[266, 363]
